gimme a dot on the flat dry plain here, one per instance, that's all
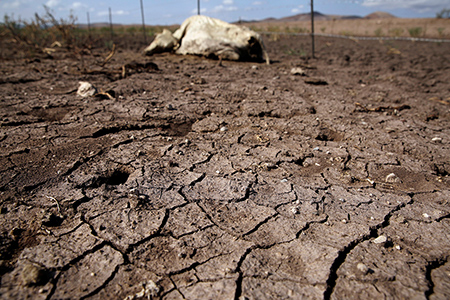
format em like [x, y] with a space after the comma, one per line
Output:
[392, 27]
[187, 179]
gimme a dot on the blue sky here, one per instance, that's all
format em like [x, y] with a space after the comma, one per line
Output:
[165, 12]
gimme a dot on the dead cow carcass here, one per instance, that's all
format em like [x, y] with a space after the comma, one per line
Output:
[201, 35]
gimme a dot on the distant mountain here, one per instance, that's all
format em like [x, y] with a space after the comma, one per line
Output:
[322, 17]
[380, 15]
[307, 16]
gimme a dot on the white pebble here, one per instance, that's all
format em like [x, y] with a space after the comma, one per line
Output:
[362, 267]
[86, 89]
[370, 181]
[380, 240]
[297, 71]
[392, 178]
[436, 139]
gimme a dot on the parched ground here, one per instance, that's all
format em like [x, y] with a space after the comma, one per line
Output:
[241, 181]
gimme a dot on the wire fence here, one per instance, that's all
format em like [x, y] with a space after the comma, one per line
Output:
[367, 38]
[312, 33]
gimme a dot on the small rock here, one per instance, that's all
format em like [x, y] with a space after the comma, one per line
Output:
[170, 107]
[362, 268]
[436, 139]
[294, 210]
[223, 128]
[380, 240]
[200, 80]
[32, 275]
[298, 71]
[86, 89]
[392, 178]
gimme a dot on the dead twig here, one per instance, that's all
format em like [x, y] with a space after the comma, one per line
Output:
[110, 55]
[382, 108]
[442, 101]
[124, 71]
[57, 203]
[105, 95]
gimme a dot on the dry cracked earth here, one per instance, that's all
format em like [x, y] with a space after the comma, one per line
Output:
[196, 180]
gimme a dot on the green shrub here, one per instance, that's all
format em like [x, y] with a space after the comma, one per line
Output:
[378, 32]
[415, 31]
[396, 31]
[273, 29]
[346, 33]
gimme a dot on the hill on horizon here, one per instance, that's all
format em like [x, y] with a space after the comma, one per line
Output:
[298, 17]
[323, 17]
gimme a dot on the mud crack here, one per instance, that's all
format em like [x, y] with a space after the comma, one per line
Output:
[342, 255]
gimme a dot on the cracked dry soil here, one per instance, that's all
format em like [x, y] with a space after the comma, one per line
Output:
[241, 181]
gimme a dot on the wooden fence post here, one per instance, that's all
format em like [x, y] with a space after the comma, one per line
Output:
[110, 25]
[143, 22]
[312, 27]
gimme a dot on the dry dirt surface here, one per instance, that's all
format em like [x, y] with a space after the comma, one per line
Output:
[195, 180]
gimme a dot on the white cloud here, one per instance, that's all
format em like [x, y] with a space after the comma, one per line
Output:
[78, 5]
[221, 8]
[114, 13]
[257, 3]
[297, 10]
[417, 5]
[228, 2]
[12, 4]
[52, 3]
[202, 11]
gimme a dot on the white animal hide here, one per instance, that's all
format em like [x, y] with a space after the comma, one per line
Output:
[201, 35]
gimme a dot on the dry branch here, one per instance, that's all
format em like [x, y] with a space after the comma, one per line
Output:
[382, 108]
[110, 55]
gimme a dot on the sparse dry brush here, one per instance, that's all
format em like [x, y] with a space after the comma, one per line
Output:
[41, 35]
[45, 35]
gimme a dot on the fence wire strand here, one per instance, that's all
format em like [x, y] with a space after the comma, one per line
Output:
[369, 38]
